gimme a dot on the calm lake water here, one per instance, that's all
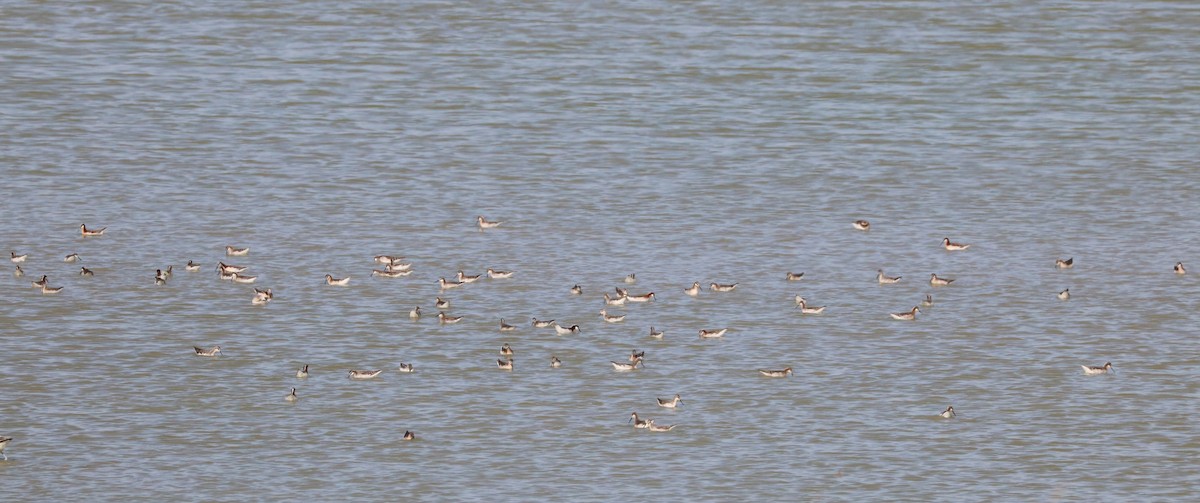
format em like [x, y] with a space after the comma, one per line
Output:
[680, 141]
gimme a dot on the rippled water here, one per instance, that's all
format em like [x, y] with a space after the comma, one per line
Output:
[682, 141]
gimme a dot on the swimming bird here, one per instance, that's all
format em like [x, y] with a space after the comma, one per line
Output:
[884, 279]
[1064, 264]
[390, 274]
[238, 278]
[656, 335]
[415, 314]
[641, 298]
[631, 279]
[576, 290]
[555, 362]
[505, 364]
[712, 334]
[787, 371]
[4, 443]
[446, 285]
[330, 280]
[862, 225]
[302, 373]
[619, 301]
[908, 315]
[953, 246]
[694, 290]
[159, 277]
[228, 268]
[611, 318]
[1065, 294]
[291, 397]
[1179, 268]
[485, 224]
[41, 282]
[83, 271]
[72, 258]
[794, 277]
[936, 281]
[463, 278]
[948, 413]
[670, 403]
[717, 287]
[506, 350]
[236, 252]
[804, 309]
[573, 329]
[407, 368]
[192, 266]
[47, 289]
[213, 351]
[364, 374]
[18, 272]
[88, 232]
[655, 427]
[446, 320]
[627, 367]
[441, 303]
[408, 435]
[638, 423]
[494, 274]
[928, 300]
[505, 327]
[17, 259]
[1097, 370]
[542, 323]
[260, 299]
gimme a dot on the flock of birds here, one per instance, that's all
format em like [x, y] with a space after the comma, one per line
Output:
[395, 267]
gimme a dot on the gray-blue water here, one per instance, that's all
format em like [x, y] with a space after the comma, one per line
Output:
[679, 141]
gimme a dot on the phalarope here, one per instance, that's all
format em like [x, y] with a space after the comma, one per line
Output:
[159, 277]
[787, 371]
[627, 367]
[364, 374]
[485, 224]
[1097, 370]
[227, 268]
[72, 258]
[390, 274]
[506, 350]
[1065, 294]
[670, 403]
[862, 225]
[936, 281]
[446, 285]
[18, 272]
[89, 232]
[213, 351]
[494, 274]
[611, 318]
[631, 279]
[542, 323]
[302, 373]
[928, 300]
[555, 362]
[712, 334]
[1179, 268]
[462, 277]
[408, 435]
[4, 443]
[791, 276]
[446, 320]
[291, 397]
[83, 271]
[1064, 264]
[41, 282]
[638, 423]
[884, 279]
[238, 278]
[654, 334]
[576, 290]
[441, 303]
[619, 301]
[909, 315]
[505, 327]
[655, 427]
[260, 299]
[694, 290]
[505, 364]
[641, 298]
[717, 287]
[406, 368]
[415, 313]
[192, 266]
[330, 280]
[804, 309]
[948, 413]
[17, 259]
[47, 289]
[236, 252]
[953, 246]
[561, 330]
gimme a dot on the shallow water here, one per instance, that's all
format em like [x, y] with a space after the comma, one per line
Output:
[702, 141]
